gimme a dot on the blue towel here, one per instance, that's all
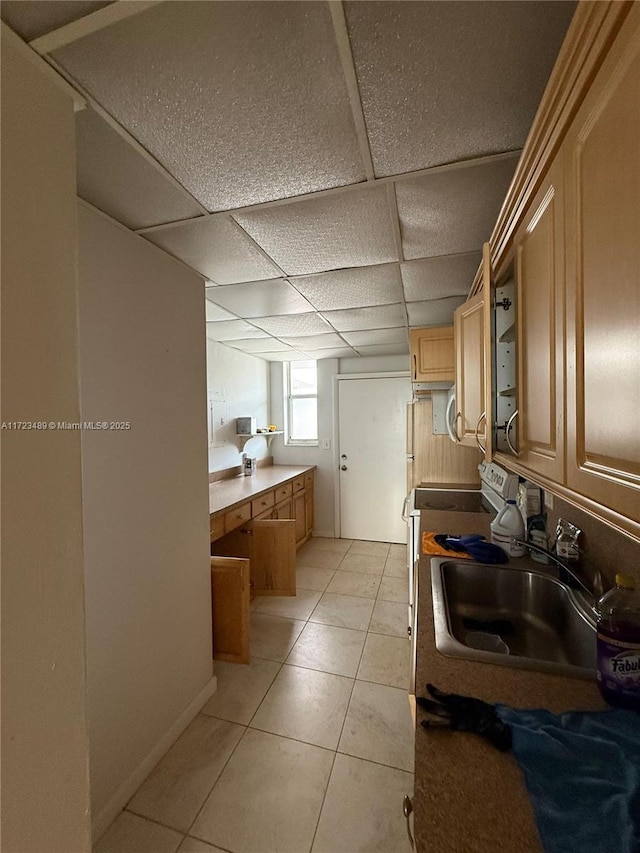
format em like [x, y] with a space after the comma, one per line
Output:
[582, 771]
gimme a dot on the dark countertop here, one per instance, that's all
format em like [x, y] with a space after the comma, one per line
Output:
[470, 798]
[226, 494]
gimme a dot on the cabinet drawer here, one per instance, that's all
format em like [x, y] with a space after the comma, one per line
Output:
[263, 502]
[236, 517]
[298, 483]
[283, 492]
[216, 527]
[308, 481]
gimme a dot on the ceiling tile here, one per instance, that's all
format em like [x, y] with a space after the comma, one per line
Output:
[352, 288]
[294, 324]
[284, 355]
[339, 352]
[315, 341]
[376, 336]
[216, 313]
[347, 229]
[434, 278]
[261, 298]
[253, 345]
[385, 349]
[380, 317]
[433, 312]
[217, 248]
[242, 102]
[116, 179]
[441, 82]
[452, 211]
[33, 19]
[229, 330]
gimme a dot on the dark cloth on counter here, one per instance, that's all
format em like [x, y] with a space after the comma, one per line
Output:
[582, 772]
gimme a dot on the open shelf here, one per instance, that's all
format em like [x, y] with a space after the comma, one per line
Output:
[268, 435]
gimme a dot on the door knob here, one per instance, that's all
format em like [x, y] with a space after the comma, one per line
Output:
[343, 467]
[343, 456]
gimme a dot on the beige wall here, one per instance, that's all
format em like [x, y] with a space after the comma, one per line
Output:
[237, 386]
[146, 515]
[45, 785]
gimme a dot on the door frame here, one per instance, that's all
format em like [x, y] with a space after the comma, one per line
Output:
[339, 377]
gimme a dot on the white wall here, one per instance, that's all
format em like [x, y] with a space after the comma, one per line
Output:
[237, 386]
[146, 514]
[45, 781]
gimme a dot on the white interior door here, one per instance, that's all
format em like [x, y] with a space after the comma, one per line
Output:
[372, 457]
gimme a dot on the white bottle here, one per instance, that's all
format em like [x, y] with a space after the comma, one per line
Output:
[506, 527]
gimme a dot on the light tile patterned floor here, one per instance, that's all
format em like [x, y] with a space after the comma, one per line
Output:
[309, 749]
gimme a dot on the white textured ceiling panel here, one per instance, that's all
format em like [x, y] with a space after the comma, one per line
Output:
[294, 324]
[242, 102]
[113, 177]
[305, 343]
[376, 336]
[261, 299]
[230, 330]
[217, 248]
[352, 288]
[452, 211]
[379, 317]
[384, 349]
[339, 352]
[348, 229]
[33, 18]
[284, 355]
[252, 345]
[434, 312]
[215, 313]
[441, 82]
[435, 278]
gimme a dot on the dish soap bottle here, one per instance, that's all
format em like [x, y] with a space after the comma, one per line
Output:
[507, 526]
[619, 644]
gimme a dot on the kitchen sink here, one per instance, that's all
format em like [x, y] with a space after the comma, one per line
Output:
[511, 616]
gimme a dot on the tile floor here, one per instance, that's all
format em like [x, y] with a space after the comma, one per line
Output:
[309, 749]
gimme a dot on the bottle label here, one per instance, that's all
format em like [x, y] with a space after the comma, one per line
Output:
[619, 666]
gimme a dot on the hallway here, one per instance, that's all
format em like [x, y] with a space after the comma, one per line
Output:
[309, 749]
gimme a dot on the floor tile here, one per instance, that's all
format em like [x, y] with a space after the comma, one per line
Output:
[328, 649]
[343, 611]
[396, 569]
[369, 564]
[389, 617]
[192, 845]
[310, 577]
[178, 786]
[397, 552]
[385, 660]
[272, 637]
[354, 583]
[297, 606]
[373, 549]
[306, 705]
[319, 558]
[268, 798]
[241, 688]
[393, 589]
[323, 543]
[362, 812]
[132, 834]
[379, 726]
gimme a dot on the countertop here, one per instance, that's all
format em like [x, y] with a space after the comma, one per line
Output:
[470, 798]
[225, 494]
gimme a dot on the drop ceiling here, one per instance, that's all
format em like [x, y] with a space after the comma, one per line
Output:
[330, 169]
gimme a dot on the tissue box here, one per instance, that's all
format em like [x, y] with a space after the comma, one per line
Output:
[529, 500]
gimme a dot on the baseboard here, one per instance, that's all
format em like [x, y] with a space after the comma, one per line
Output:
[102, 821]
[323, 534]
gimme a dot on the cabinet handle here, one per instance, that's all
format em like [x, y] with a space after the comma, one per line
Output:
[455, 426]
[506, 432]
[415, 368]
[407, 808]
[482, 417]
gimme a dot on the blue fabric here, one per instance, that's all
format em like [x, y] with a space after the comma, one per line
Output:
[582, 771]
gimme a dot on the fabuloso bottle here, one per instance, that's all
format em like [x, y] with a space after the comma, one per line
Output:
[619, 644]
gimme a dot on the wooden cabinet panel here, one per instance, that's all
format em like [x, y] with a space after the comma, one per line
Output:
[470, 422]
[308, 511]
[298, 484]
[283, 492]
[216, 527]
[230, 608]
[539, 427]
[308, 480]
[432, 355]
[263, 502]
[273, 553]
[284, 509]
[300, 518]
[602, 164]
[235, 517]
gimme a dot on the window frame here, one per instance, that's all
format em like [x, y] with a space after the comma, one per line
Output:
[288, 408]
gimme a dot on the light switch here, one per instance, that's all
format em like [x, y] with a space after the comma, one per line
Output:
[326, 444]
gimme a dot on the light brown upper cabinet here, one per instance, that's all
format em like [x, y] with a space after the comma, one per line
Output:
[602, 168]
[432, 355]
[538, 433]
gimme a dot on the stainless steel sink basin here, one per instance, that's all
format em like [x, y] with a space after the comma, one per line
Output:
[512, 617]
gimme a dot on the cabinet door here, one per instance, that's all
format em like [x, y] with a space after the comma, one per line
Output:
[539, 257]
[230, 609]
[299, 515]
[432, 355]
[308, 512]
[273, 557]
[603, 292]
[470, 422]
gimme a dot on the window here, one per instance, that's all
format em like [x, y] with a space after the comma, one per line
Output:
[301, 393]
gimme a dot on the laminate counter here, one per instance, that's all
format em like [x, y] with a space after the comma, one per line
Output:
[227, 494]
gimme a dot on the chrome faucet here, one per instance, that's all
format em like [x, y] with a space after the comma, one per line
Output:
[599, 585]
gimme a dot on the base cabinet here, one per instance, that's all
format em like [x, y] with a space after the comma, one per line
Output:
[230, 609]
[270, 546]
